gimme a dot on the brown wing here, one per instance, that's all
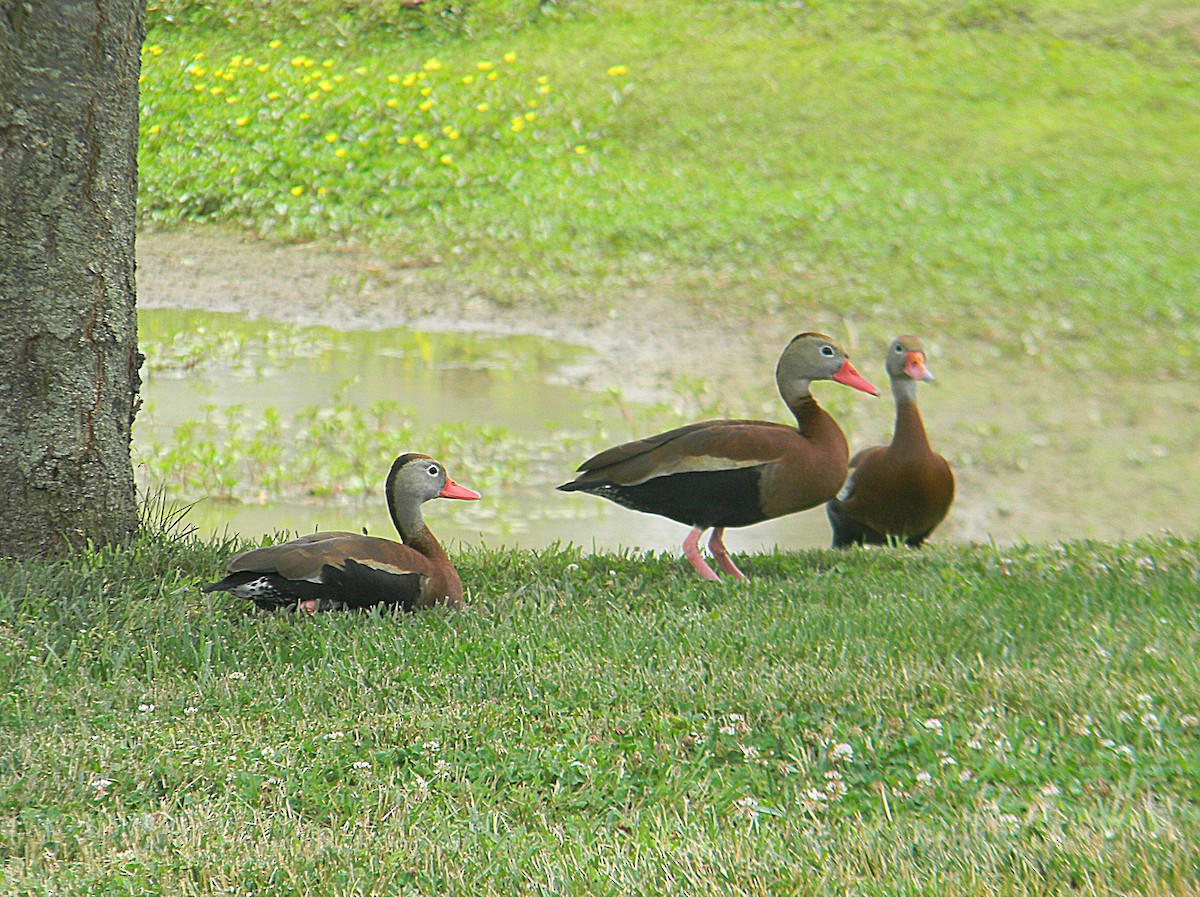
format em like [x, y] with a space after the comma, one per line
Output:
[707, 446]
[303, 558]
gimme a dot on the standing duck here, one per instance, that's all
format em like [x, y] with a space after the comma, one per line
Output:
[723, 473]
[344, 571]
[898, 492]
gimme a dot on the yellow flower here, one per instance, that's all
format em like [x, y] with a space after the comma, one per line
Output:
[340, 152]
[338, 79]
[199, 88]
[544, 79]
[432, 65]
[314, 95]
[232, 100]
[492, 76]
[263, 69]
[426, 106]
[296, 191]
[532, 104]
[325, 86]
[237, 60]
[247, 62]
[304, 116]
[361, 70]
[321, 191]
[402, 140]
[218, 89]
[154, 129]
[242, 121]
[331, 137]
[392, 103]
[483, 107]
[545, 88]
[154, 50]
[196, 71]
[426, 91]
[297, 61]
[580, 150]
[446, 159]
[273, 95]
[233, 169]
[275, 44]
[410, 80]
[484, 66]
[393, 79]
[617, 70]
[453, 135]
[198, 57]
[328, 63]
[468, 79]
[530, 116]
[510, 57]
[518, 125]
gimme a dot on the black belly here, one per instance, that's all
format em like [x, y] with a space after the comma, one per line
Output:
[356, 587]
[702, 498]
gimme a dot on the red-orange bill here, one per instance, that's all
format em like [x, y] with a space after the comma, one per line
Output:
[848, 376]
[453, 490]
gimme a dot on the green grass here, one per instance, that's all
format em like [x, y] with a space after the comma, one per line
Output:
[1017, 174]
[1019, 721]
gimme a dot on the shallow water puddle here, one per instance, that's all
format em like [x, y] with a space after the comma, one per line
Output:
[279, 428]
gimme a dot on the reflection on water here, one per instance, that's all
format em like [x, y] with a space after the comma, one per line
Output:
[201, 365]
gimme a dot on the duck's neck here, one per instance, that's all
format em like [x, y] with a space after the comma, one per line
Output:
[910, 429]
[413, 531]
[810, 416]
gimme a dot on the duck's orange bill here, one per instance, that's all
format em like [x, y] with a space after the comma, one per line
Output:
[453, 490]
[850, 377]
[914, 366]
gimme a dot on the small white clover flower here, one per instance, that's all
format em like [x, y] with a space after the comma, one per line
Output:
[145, 708]
[842, 752]
[933, 724]
[1189, 721]
[362, 764]
[1050, 790]
[1150, 721]
[924, 778]
[237, 674]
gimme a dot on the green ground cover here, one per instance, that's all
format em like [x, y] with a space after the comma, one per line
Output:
[967, 721]
[1022, 174]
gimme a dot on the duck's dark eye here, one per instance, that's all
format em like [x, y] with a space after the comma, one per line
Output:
[432, 470]
[899, 349]
[827, 351]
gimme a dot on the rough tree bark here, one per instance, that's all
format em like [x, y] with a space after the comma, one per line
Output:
[68, 323]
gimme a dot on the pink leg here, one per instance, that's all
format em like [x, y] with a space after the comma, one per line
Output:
[717, 546]
[691, 551]
[307, 606]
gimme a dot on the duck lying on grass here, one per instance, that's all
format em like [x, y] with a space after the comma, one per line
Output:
[348, 571]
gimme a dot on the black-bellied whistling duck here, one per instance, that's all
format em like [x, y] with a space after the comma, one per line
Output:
[345, 571]
[898, 492]
[723, 473]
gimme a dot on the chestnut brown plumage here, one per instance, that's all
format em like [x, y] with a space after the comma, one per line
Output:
[723, 473]
[902, 491]
[345, 571]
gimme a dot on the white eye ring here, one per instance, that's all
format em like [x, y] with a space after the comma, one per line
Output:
[827, 351]
[433, 470]
[899, 349]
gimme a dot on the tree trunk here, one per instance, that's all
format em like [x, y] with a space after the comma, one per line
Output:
[68, 320]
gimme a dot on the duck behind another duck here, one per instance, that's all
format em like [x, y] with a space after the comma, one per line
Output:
[723, 473]
[902, 491]
[347, 571]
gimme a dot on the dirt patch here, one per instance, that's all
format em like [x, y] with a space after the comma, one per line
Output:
[642, 343]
